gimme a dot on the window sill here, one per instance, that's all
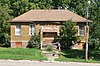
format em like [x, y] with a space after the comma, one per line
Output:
[81, 35]
[31, 35]
[18, 35]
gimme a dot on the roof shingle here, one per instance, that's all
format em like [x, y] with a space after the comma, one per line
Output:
[49, 15]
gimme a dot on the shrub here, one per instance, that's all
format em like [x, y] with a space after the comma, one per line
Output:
[4, 40]
[94, 43]
[68, 34]
[34, 42]
[49, 48]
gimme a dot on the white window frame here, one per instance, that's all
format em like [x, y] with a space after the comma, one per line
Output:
[18, 29]
[83, 30]
[31, 29]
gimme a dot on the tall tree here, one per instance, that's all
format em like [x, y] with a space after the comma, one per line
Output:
[4, 26]
[78, 6]
[19, 7]
[94, 42]
[42, 4]
[60, 4]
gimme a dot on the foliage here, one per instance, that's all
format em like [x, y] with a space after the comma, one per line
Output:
[34, 42]
[19, 7]
[79, 55]
[49, 48]
[4, 26]
[67, 34]
[78, 6]
[94, 40]
[94, 44]
[12, 8]
[4, 40]
[76, 54]
[60, 4]
[4, 17]
[42, 4]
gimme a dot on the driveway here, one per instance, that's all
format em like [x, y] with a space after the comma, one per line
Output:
[37, 63]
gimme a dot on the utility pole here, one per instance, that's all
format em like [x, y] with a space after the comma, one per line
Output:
[87, 29]
[87, 33]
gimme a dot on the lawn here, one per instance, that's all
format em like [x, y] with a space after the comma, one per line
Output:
[21, 54]
[35, 54]
[79, 56]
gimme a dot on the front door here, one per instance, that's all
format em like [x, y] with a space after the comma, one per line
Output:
[49, 37]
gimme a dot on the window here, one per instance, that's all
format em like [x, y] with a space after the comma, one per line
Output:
[81, 30]
[18, 44]
[18, 29]
[31, 29]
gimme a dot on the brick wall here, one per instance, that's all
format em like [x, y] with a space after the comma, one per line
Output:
[24, 38]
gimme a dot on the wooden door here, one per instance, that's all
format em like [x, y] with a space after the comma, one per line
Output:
[48, 37]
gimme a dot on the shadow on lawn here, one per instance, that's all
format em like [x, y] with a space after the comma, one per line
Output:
[94, 54]
[80, 54]
[76, 54]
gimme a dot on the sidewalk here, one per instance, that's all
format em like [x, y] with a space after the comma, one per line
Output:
[49, 61]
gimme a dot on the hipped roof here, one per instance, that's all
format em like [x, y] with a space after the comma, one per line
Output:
[49, 15]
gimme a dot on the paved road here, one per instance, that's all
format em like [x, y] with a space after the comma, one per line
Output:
[37, 63]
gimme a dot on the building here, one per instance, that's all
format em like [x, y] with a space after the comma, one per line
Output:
[45, 22]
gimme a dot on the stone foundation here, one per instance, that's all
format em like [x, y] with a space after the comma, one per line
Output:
[24, 44]
[13, 44]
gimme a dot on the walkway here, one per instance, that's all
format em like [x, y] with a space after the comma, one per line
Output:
[37, 63]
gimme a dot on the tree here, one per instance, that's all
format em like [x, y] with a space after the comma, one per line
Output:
[42, 4]
[68, 34]
[94, 40]
[14, 8]
[18, 7]
[4, 26]
[62, 4]
[94, 43]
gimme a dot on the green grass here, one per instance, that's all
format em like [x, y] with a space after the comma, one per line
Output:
[21, 54]
[35, 54]
[79, 56]
[75, 60]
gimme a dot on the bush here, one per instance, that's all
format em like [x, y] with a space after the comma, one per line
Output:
[49, 48]
[94, 43]
[34, 42]
[68, 34]
[4, 40]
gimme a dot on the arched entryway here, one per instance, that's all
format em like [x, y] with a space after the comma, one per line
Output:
[48, 35]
